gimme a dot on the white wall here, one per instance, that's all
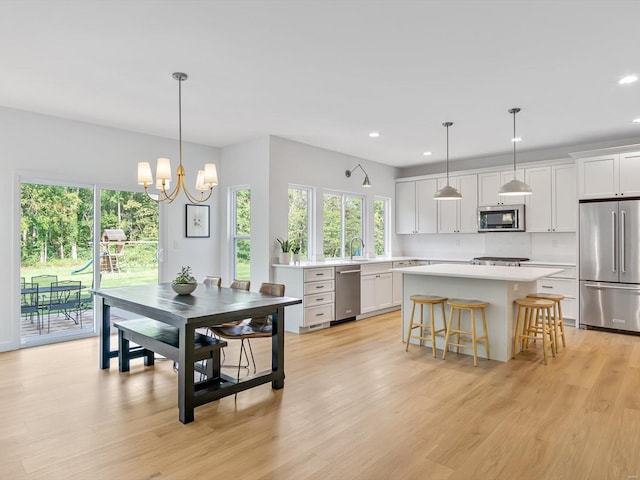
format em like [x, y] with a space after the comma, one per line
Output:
[559, 247]
[302, 164]
[247, 164]
[38, 147]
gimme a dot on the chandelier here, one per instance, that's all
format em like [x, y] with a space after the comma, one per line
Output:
[205, 180]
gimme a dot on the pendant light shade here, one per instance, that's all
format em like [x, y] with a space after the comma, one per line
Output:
[515, 186]
[447, 192]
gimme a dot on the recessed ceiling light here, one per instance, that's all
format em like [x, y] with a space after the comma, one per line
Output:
[374, 134]
[516, 139]
[426, 154]
[628, 79]
[636, 120]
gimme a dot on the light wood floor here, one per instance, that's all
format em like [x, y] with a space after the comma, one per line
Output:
[355, 406]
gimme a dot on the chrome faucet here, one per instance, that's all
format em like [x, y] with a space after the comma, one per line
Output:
[351, 246]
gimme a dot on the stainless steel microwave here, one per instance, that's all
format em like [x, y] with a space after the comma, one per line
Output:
[501, 218]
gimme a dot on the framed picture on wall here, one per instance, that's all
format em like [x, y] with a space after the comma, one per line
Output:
[197, 224]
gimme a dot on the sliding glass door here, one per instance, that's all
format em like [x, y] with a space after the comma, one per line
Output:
[62, 256]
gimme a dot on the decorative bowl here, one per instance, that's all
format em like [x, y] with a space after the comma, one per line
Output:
[183, 288]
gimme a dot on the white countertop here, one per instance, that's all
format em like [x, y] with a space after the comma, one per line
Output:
[486, 272]
[362, 261]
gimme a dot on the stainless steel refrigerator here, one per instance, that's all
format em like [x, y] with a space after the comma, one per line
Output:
[610, 264]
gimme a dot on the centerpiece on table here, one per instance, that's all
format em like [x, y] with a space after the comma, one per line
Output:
[185, 282]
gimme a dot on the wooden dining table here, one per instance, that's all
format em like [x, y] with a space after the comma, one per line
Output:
[206, 306]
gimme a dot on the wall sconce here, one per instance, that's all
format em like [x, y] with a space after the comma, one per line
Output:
[366, 182]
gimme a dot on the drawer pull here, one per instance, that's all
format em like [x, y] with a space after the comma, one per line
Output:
[547, 286]
[319, 314]
[319, 299]
[319, 274]
[320, 286]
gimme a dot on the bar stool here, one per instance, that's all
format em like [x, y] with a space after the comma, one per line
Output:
[458, 305]
[558, 322]
[426, 328]
[534, 314]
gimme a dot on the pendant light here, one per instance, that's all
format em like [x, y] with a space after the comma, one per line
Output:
[447, 192]
[515, 187]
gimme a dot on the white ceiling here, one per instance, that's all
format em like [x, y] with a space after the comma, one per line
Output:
[327, 73]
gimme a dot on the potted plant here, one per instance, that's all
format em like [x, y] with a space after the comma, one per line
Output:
[185, 282]
[295, 253]
[285, 255]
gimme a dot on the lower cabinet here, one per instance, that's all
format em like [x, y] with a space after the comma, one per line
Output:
[376, 287]
[397, 280]
[316, 287]
[563, 283]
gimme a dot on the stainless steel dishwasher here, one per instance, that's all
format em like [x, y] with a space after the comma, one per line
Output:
[347, 292]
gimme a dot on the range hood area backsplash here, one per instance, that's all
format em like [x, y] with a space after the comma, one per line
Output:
[560, 247]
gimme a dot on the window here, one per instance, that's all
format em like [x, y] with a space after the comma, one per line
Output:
[241, 232]
[300, 219]
[380, 223]
[343, 216]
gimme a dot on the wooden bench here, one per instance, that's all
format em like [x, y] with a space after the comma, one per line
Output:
[157, 337]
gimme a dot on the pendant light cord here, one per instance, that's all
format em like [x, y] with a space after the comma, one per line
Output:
[180, 116]
[447, 154]
[447, 125]
[514, 142]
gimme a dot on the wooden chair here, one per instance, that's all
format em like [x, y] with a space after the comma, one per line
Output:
[467, 338]
[212, 281]
[534, 319]
[250, 328]
[241, 284]
[426, 331]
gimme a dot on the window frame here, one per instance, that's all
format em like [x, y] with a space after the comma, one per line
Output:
[363, 218]
[311, 201]
[233, 219]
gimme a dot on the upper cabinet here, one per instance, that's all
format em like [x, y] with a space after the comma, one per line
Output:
[552, 206]
[416, 210]
[459, 216]
[607, 176]
[490, 183]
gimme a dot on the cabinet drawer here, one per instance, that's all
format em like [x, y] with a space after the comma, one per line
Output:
[568, 272]
[374, 268]
[319, 299]
[319, 287]
[559, 286]
[313, 274]
[319, 314]
[404, 263]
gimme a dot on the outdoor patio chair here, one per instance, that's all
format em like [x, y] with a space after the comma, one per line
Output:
[29, 303]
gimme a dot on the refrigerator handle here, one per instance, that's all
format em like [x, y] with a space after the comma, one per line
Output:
[613, 241]
[623, 221]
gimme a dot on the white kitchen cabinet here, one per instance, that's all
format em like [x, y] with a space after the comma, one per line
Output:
[609, 176]
[416, 211]
[397, 280]
[563, 283]
[552, 206]
[489, 185]
[316, 287]
[459, 216]
[376, 287]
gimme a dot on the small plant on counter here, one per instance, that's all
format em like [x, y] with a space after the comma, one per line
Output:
[295, 248]
[285, 245]
[185, 276]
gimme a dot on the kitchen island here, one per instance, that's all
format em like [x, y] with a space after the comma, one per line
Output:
[499, 286]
